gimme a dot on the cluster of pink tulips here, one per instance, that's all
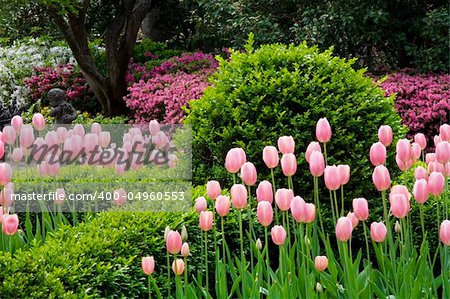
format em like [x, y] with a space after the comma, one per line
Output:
[297, 228]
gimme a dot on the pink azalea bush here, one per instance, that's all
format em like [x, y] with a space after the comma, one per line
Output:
[423, 101]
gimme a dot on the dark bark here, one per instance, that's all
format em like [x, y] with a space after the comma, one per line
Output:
[119, 39]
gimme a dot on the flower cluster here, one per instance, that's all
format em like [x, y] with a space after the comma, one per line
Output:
[64, 76]
[422, 100]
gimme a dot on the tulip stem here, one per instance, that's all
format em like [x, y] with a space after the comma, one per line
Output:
[316, 201]
[342, 201]
[336, 204]
[367, 241]
[149, 288]
[266, 239]
[250, 224]
[185, 276]
[168, 275]
[422, 222]
[206, 262]
[223, 241]
[242, 252]
[274, 191]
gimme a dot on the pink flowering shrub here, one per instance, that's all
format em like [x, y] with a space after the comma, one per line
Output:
[64, 76]
[163, 96]
[423, 101]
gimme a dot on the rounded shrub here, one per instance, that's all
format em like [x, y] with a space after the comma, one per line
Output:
[259, 95]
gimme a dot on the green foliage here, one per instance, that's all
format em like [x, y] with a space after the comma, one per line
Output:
[87, 119]
[157, 49]
[281, 90]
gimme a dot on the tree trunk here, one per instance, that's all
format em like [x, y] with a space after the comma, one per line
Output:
[149, 25]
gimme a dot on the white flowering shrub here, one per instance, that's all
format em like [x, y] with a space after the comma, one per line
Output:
[17, 63]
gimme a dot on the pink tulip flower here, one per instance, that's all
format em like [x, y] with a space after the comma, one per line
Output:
[416, 151]
[248, 174]
[206, 220]
[444, 131]
[10, 135]
[430, 157]
[444, 232]
[286, 145]
[238, 196]
[344, 174]
[377, 154]
[385, 135]
[420, 191]
[235, 159]
[264, 192]
[323, 130]
[148, 265]
[222, 205]
[420, 139]
[264, 212]
[289, 164]
[378, 232]
[10, 224]
[321, 263]
[278, 234]
[178, 267]
[316, 164]
[283, 198]
[185, 250]
[154, 127]
[213, 189]
[332, 178]
[420, 173]
[313, 146]
[381, 178]
[96, 128]
[353, 219]
[270, 156]
[200, 204]
[17, 123]
[2, 149]
[17, 155]
[436, 183]
[38, 122]
[400, 205]
[104, 138]
[404, 150]
[443, 152]
[174, 242]
[5, 174]
[361, 208]
[344, 229]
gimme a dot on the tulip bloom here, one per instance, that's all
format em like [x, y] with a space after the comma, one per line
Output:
[264, 192]
[302, 211]
[5, 174]
[286, 145]
[420, 191]
[238, 196]
[436, 167]
[332, 177]
[200, 204]
[400, 205]
[420, 173]
[270, 156]
[377, 154]
[443, 152]
[283, 198]
[10, 135]
[436, 183]
[444, 131]
[444, 232]
[323, 130]
[378, 231]
[381, 178]
[38, 121]
[265, 213]
[316, 164]
[278, 234]
[205, 221]
[313, 146]
[17, 155]
[344, 229]
[416, 151]
[10, 224]
[321, 263]
[154, 127]
[2, 149]
[361, 208]
[17, 123]
[178, 267]
[223, 205]
[248, 174]
[430, 157]
[353, 219]
[420, 139]
[234, 160]
[385, 135]
[185, 249]
[344, 174]
[289, 164]
[148, 265]
[173, 242]
[404, 150]
[213, 189]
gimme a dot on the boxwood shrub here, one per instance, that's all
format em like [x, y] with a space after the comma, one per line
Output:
[260, 95]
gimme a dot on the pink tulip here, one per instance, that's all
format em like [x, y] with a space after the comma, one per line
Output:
[289, 164]
[154, 127]
[278, 234]
[298, 208]
[316, 164]
[416, 151]
[354, 220]
[62, 133]
[401, 189]
[436, 183]
[173, 242]
[430, 157]
[120, 197]
[51, 138]
[6, 196]
[377, 154]
[2, 137]
[283, 198]
[17, 123]
[2, 149]
[17, 155]
[96, 128]
[420, 139]
[361, 208]
[248, 174]
[443, 152]
[400, 205]
[447, 169]
[332, 177]
[381, 178]
[200, 204]
[234, 160]
[437, 139]
[420, 191]
[185, 250]
[321, 263]
[444, 232]
[344, 174]
[5, 174]
[264, 192]
[404, 150]
[286, 145]
[205, 221]
[90, 142]
[148, 265]
[420, 173]
[270, 156]
[344, 229]
[403, 165]
[10, 135]
[78, 129]
[104, 138]
[385, 135]
[38, 121]
[160, 140]
[222, 205]
[378, 232]
[238, 196]
[10, 224]
[265, 213]
[436, 167]
[178, 267]
[444, 131]
[323, 130]
[213, 189]
[313, 146]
